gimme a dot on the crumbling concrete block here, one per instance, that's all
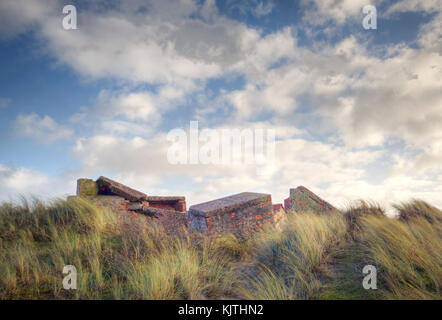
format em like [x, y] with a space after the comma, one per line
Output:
[86, 187]
[303, 200]
[108, 186]
[238, 214]
[170, 203]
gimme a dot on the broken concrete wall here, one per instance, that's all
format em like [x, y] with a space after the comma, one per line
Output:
[107, 186]
[238, 214]
[167, 211]
[169, 203]
[171, 220]
[303, 200]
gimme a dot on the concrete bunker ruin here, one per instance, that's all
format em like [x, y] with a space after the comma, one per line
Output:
[241, 213]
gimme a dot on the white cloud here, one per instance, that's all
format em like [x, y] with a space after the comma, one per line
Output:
[19, 16]
[27, 182]
[20, 178]
[133, 106]
[40, 129]
[415, 5]
[365, 98]
[161, 45]
[20, 181]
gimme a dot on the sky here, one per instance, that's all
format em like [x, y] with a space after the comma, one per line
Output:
[357, 113]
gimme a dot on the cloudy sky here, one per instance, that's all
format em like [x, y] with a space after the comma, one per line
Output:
[357, 113]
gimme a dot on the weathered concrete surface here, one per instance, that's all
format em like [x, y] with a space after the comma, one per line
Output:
[172, 221]
[240, 213]
[169, 203]
[108, 186]
[86, 187]
[303, 200]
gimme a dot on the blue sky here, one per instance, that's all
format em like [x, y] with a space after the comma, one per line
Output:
[357, 112]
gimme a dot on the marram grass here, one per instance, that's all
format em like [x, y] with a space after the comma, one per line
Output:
[310, 257]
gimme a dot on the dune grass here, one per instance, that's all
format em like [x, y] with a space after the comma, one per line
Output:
[127, 257]
[290, 260]
[116, 257]
[407, 251]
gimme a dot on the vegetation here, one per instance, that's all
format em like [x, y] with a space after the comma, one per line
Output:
[126, 257]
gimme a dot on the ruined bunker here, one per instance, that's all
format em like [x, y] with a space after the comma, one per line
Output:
[240, 214]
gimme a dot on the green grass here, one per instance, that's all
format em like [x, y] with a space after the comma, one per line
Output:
[127, 257]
